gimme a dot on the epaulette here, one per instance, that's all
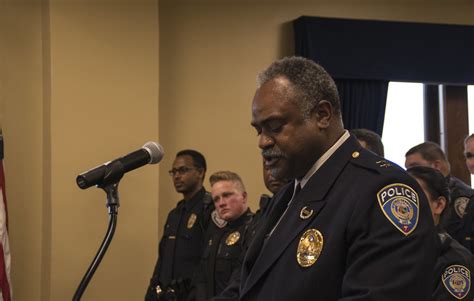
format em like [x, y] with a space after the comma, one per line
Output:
[368, 160]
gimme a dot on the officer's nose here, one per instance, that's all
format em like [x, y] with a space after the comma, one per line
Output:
[265, 141]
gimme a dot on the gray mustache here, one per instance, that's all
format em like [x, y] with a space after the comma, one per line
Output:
[272, 152]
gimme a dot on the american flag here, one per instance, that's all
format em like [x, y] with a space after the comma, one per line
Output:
[5, 287]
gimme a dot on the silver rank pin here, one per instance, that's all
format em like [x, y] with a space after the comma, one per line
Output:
[383, 163]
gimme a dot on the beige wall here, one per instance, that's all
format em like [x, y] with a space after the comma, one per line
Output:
[82, 82]
[81, 88]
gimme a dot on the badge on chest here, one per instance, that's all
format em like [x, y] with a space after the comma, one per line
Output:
[309, 248]
[232, 238]
[191, 220]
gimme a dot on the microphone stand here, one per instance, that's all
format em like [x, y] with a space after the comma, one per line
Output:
[114, 173]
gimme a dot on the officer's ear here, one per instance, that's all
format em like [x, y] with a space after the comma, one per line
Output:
[440, 205]
[437, 164]
[244, 195]
[323, 113]
[201, 172]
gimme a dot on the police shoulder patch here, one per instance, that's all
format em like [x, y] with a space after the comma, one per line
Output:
[400, 205]
[457, 280]
[460, 205]
[217, 220]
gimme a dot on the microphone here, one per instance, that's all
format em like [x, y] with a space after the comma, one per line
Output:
[112, 171]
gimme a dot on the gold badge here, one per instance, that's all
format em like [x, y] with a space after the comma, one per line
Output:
[232, 238]
[309, 248]
[192, 219]
[306, 213]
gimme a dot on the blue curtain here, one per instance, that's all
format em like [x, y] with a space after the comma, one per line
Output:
[364, 55]
[363, 103]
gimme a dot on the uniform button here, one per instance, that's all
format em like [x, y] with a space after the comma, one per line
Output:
[355, 155]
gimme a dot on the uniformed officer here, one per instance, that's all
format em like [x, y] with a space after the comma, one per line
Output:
[351, 224]
[225, 243]
[183, 238]
[469, 153]
[455, 263]
[455, 222]
[231, 292]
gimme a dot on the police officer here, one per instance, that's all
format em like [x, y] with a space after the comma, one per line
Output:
[231, 292]
[226, 243]
[351, 224]
[455, 219]
[183, 238]
[455, 263]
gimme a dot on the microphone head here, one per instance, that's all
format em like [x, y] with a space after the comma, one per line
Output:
[155, 150]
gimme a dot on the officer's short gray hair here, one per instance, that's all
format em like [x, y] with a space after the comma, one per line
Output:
[310, 83]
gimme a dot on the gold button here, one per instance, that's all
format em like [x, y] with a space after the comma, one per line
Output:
[355, 154]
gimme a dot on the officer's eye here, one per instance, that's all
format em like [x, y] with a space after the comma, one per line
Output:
[227, 194]
[275, 125]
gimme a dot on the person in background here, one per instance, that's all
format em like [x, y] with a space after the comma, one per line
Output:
[274, 185]
[331, 234]
[369, 140]
[225, 244]
[430, 154]
[455, 263]
[231, 292]
[469, 153]
[183, 240]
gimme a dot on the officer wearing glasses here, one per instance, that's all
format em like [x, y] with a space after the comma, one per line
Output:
[183, 236]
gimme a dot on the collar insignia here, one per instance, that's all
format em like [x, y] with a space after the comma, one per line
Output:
[383, 163]
[306, 213]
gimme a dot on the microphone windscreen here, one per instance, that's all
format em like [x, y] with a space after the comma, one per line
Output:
[155, 150]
